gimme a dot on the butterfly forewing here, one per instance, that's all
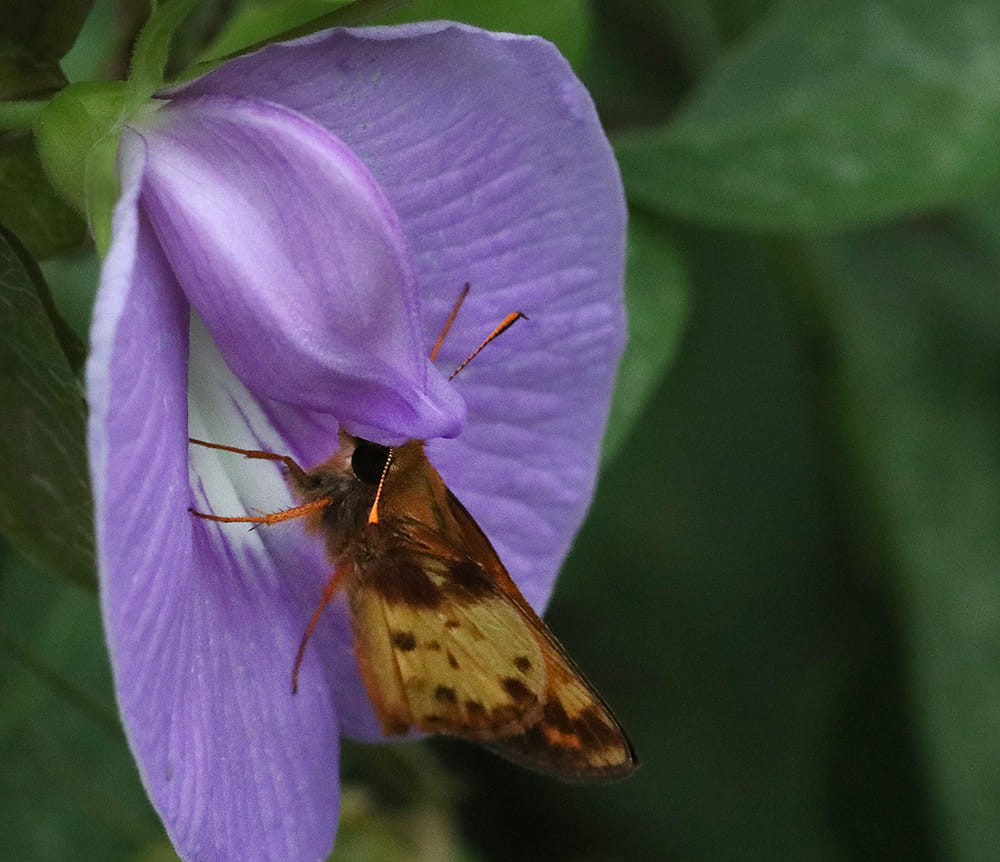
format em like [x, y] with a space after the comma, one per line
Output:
[577, 736]
[454, 658]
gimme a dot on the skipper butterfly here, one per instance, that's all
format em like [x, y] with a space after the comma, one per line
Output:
[444, 640]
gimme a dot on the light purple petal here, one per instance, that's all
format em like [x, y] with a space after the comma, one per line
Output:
[491, 153]
[200, 633]
[294, 259]
[223, 410]
[318, 202]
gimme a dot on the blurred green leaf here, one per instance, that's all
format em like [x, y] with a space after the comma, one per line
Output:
[69, 788]
[915, 313]
[832, 115]
[634, 70]
[30, 207]
[397, 803]
[257, 22]
[45, 504]
[92, 52]
[656, 302]
[711, 599]
[152, 47]
[32, 39]
[72, 280]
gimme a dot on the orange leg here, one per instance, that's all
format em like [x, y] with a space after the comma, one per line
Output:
[329, 591]
[266, 517]
[287, 460]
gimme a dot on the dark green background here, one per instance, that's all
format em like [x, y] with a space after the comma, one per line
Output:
[789, 583]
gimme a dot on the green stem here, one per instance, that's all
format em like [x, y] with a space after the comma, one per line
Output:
[20, 115]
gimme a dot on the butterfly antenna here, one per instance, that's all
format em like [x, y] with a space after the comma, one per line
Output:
[504, 325]
[451, 319]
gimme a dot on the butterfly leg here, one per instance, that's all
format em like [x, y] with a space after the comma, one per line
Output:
[329, 591]
[267, 517]
[290, 463]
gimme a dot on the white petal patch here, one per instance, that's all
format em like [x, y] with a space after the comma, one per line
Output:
[222, 410]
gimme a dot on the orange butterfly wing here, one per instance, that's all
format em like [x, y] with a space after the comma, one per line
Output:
[446, 643]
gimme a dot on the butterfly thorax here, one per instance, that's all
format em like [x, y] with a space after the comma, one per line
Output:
[414, 495]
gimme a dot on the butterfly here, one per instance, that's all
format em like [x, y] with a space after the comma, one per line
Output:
[445, 642]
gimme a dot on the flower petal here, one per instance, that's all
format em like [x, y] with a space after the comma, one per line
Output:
[291, 254]
[492, 155]
[223, 410]
[236, 767]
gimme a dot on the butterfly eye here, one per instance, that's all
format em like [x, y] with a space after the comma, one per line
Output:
[368, 461]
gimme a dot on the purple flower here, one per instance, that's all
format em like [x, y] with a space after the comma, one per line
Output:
[292, 231]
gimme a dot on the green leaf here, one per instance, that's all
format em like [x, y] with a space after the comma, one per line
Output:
[256, 23]
[632, 66]
[152, 48]
[915, 315]
[656, 300]
[830, 115]
[45, 504]
[33, 38]
[704, 598]
[30, 207]
[69, 788]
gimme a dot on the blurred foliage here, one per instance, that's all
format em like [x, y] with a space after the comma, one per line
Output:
[789, 585]
[45, 507]
[33, 39]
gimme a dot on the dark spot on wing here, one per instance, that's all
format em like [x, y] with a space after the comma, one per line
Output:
[585, 746]
[451, 625]
[404, 641]
[403, 582]
[522, 663]
[446, 694]
[433, 645]
[475, 709]
[518, 691]
[556, 716]
[590, 723]
[452, 660]
[468, 580]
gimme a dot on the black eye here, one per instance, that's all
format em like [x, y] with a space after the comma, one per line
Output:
[368, 461]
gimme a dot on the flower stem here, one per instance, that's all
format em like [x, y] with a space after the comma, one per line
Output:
[20, 115]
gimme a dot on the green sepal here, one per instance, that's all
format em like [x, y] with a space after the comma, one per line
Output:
[77, 137]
